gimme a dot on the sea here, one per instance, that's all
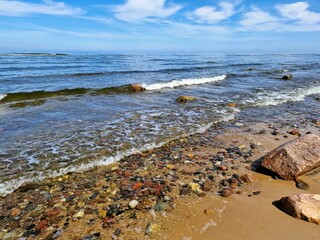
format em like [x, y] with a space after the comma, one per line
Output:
[72, 112]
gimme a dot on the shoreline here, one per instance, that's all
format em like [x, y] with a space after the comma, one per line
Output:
[79, 205]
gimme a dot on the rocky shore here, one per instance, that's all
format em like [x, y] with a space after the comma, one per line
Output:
[195, 187]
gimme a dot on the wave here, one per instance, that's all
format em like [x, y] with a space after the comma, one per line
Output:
[26, 96]
[276, 98]
[2, 96]
[11, 185]
[183, 82]
[110, 73]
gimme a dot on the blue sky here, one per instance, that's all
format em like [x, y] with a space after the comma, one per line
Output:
[275, 26]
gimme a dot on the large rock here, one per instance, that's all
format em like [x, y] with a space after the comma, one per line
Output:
[302, 206]
[295, 157]
[287, 77]
[137, 87]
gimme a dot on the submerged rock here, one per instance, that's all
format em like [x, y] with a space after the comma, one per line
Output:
[137, 87]
[302, 206]
[287, 77]
[295, 157]
[184, 99]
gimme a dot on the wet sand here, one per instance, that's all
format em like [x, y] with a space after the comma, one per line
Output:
[94, 204]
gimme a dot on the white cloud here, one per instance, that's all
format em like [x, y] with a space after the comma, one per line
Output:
[136, 10]
[208, 14]
[257, 19]
[48, 7]
[299, 11]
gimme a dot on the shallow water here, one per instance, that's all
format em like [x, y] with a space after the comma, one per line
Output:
[61, 113]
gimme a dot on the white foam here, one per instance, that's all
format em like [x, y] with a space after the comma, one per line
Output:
[2, 96]
[11, 185]
[275, 98]
[183, 82]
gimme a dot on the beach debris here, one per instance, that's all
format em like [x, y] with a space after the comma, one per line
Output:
[137, 87]
[287, 77]
[302, 206]
[294, 158]
[184, 99]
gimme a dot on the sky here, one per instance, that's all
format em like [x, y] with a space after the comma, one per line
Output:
[226, 26]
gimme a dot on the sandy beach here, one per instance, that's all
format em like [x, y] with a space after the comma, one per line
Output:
[177, 189]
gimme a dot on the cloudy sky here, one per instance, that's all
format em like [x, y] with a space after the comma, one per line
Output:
[275, 26]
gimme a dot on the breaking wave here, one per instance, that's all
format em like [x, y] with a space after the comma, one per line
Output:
[183, 82]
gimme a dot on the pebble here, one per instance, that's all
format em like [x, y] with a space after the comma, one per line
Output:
[209, 212]
[170, 166]
[226, 192]
[301, 184]
[207, 186]
[151, 228]
[15, 212]
[166, 198]
[195, 187]
[79, 214]
[133, 204]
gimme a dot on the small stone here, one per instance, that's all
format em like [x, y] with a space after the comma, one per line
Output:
[170, 166]
[209, 212]
[166, 198]
[207, 186]
[137, 185]
[239, 124]
[223, 168]
[294, 132]
[52, 212]
[245, 178]
[151, 228]
[42, 225]
[190, 155]
[195, 187]
[15, 212]
[226, 192]
[256, 192]
[115, 168]
[301, 184]
[153, 214]
[79, 214]
[133, 204]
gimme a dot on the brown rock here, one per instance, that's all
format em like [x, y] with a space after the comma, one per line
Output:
[226, 192]
[232, 105]
[15, 212]
[184, 99]
[295, 157]
[207, 186]
[223, 168]
[294, 132]
[245, 178]
[52, 212]
[302, 206]
[42, 225]
[137, 87]
[137, 185]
